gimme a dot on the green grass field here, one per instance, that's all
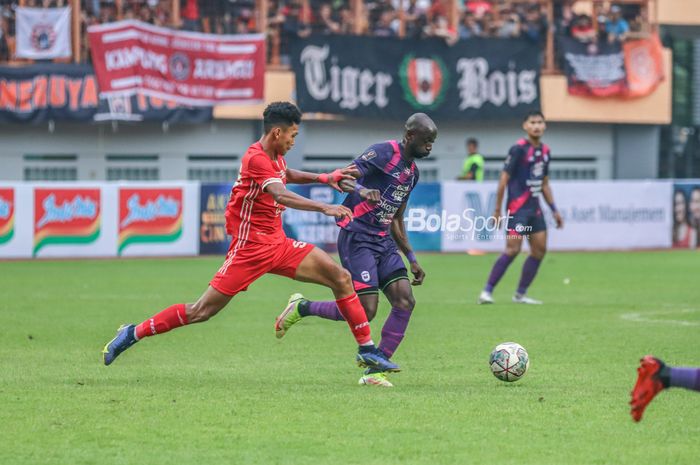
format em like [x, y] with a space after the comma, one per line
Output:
[228, 392]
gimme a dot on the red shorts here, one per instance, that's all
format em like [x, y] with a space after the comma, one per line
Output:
[243, 265]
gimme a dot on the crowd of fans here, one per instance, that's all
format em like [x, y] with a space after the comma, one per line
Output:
[288, 19]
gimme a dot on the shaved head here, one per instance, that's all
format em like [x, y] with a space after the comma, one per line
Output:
[420, 122]
[419, 136]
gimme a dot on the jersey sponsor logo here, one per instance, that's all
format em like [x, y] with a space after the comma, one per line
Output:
[149, 216]
[537, 169]
[365, 276]
[424, 81]
[65, 216]
[7, 215]
[298, 244]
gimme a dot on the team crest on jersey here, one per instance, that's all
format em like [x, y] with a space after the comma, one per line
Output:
[424, 81]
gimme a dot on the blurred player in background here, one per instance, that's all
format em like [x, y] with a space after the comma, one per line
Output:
[259, 246]
[653, 376]
[369, 246]
[526, 175]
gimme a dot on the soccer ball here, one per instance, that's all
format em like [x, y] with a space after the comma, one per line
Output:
[509, 361]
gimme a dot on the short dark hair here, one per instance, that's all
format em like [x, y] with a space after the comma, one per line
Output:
[280, 114]
[472, 140]
[532, 113]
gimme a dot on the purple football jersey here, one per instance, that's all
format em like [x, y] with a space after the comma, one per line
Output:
[381, 167]
[527, 166]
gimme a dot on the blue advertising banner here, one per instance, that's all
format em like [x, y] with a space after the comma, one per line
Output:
[425, 198]
[313, 227]
[213, 239]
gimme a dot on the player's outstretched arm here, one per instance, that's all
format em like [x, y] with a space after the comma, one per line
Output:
[332, 179]
[398, 232]
[549, 198]
[292, 200]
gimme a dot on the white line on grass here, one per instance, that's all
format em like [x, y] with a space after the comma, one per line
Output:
[646, 317]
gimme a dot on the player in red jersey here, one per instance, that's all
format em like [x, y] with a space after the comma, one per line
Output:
[259, 245]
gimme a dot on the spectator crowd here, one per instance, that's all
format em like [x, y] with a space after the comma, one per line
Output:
[585, 21]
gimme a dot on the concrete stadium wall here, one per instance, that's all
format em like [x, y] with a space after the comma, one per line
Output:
[323, 144]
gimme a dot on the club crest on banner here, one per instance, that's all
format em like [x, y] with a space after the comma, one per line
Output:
[43, 37]
[424, 81]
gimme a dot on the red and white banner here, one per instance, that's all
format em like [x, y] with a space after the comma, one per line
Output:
[189, 67]
[43, 33]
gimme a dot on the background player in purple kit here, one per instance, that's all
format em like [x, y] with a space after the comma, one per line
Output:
[526, 175]
[369, 245]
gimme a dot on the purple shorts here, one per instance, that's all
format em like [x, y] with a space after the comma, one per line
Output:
[373, 261]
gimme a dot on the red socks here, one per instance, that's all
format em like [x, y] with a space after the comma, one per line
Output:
[353, 312]
[170, 318]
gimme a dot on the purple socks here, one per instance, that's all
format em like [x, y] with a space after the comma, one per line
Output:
[498, 270]
[688, 378]
[394, 330]
[328, 310]
[530, 268]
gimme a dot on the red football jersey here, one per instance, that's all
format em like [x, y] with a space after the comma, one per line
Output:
[251, 214]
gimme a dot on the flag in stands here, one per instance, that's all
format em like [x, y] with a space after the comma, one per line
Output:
[43, 33]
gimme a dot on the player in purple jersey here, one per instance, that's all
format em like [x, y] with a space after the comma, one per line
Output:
[369, 245]
[525, 173]
[653, 376]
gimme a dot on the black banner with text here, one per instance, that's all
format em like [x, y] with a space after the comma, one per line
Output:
[392, 78]
[38, 93]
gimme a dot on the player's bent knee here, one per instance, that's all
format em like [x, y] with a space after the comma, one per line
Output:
[342, 279]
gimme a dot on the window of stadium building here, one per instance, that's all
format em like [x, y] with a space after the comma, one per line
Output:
[50, 167]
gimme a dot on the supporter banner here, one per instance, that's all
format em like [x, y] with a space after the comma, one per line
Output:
[644, 65]
[392, 78]
[685, 229]
[604, 70]
[188, 67]
[38, 93]
[593, 70]
[213, 238]
[151, 221]
[597, 215]
[43, 33]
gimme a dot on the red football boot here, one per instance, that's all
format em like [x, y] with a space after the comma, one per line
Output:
[648, 385]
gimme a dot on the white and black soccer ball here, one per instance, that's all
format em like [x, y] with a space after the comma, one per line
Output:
[509, 361]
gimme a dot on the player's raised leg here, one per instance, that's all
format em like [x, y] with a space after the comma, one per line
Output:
[514, 243]
[361, 262]
[208, 305]
[538, 248]
[299, 307]
[318, 267]
[653, 376]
